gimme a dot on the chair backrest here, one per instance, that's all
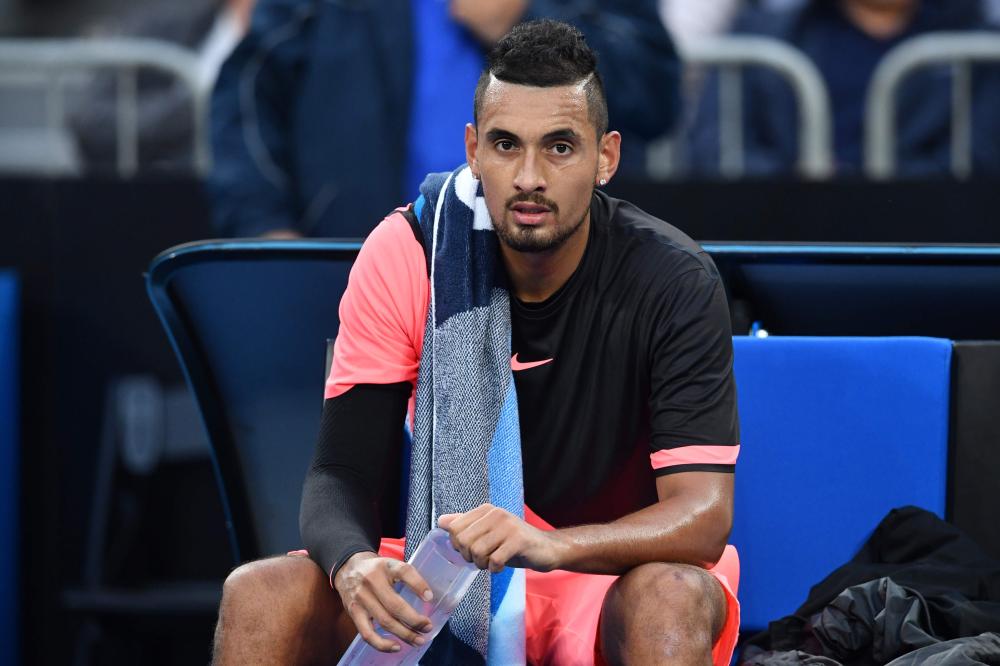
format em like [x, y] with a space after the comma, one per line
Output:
[835, 433]
[860, 289]
[249, 321]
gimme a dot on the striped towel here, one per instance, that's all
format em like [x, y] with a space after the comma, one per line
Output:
[467, 444]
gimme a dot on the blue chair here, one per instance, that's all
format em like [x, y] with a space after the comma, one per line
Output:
[249, 321]
[835, 433]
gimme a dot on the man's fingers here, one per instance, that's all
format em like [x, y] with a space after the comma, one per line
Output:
[481, 538]
[398, 617]
[393, 625]
[465, 539]
[459, 521]
[362, 621]
[500, 557]
[463, 521]
[484, 545]
[412, 579]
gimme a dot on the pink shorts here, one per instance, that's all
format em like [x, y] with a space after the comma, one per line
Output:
[563, 609]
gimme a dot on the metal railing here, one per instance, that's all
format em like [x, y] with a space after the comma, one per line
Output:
[960, 50]
[48, 62]
[731, 55]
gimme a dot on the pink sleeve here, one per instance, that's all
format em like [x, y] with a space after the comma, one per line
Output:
[695, 454]
[383, 311]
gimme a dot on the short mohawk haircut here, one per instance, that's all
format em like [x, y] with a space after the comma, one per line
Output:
[546, 54]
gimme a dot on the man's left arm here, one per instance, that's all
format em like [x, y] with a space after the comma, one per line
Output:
[689, 524]
[694, 446]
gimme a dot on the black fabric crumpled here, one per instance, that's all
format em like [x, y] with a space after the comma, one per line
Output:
[878, 619]
[968, 651]
[917, 584]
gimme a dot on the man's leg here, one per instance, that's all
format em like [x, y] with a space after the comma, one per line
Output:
[280, 610]
[662, 614]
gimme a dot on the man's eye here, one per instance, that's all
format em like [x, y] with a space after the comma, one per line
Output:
[505, 145]
[562, 149]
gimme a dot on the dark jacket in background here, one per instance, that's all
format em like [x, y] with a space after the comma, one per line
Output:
[310, 113]
[917, 583]
[923, 122]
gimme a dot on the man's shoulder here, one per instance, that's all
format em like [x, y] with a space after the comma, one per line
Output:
[395, 245]
[655, 246]
[399, 228]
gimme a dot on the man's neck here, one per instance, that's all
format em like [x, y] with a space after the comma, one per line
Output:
[879, 20]
[535, 276]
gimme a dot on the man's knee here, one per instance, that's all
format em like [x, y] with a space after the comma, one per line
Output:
[279, 610]
[276, 583]
[663, 606]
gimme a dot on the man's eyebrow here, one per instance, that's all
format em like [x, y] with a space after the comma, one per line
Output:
[566, 134]
[497, 134]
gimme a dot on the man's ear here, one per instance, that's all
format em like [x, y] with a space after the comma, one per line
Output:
[609, 154]
[471, 143]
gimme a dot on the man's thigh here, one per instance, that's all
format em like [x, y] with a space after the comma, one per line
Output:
[562, 614]
[564, 610]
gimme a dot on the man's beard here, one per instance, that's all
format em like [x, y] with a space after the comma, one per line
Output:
[533, 239]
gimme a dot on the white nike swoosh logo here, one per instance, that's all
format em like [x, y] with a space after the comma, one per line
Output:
[516, 365]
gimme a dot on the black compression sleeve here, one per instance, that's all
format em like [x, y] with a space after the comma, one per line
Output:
[355, 469]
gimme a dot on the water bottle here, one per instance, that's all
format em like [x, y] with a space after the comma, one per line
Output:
[449, 577]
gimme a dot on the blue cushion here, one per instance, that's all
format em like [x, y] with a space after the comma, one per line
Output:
[835, 433]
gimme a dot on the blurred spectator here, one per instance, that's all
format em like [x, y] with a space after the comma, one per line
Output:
[209, 28]
[329, 114]
[846, 39]
[690, 21]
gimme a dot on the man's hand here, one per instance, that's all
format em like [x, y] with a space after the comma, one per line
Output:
[493, 538]
[365, 586]
[489, 20]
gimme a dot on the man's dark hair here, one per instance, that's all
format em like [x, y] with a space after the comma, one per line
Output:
[545, 54]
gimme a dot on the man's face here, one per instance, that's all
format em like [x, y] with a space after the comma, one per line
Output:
[537, 153]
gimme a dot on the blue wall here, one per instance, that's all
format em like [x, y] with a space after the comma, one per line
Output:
[9, 467]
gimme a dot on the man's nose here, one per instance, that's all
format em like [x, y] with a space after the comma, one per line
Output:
[530, 177]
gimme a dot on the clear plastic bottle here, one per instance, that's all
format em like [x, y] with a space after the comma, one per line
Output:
[449, 577]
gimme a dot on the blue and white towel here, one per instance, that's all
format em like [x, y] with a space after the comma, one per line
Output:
[467, 444]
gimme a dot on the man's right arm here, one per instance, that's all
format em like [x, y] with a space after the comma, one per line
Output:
[250, 184]
[360, 439]
[374, 370]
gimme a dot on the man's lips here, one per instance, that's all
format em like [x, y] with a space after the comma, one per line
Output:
[529, 213]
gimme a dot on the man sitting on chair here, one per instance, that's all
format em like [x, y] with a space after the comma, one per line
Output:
[514, 292]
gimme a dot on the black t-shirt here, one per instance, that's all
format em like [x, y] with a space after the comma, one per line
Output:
[641, 361]
[623, 374]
